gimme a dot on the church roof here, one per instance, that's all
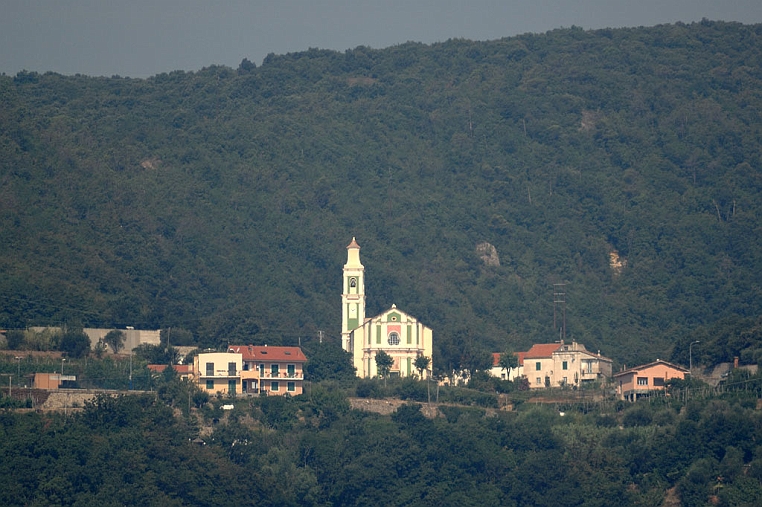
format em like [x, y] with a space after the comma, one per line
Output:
[353, 244]
[265, 353]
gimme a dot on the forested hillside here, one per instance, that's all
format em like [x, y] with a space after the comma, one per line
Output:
[221, 201]
[312, 450]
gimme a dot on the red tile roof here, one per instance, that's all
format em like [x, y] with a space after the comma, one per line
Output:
[649, 365]
[542, 350]
[265, 353]
[182, 369]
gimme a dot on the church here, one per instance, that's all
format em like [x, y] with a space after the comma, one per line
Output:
[398, 334]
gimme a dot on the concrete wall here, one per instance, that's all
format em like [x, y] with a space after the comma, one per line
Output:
[132, 337]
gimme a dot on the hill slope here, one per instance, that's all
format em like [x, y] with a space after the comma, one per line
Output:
[221, 201]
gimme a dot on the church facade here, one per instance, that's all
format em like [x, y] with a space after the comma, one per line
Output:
[395, 332]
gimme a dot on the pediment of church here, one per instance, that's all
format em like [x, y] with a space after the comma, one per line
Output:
[393, 315]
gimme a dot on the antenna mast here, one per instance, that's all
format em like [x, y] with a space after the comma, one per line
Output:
[559, 299]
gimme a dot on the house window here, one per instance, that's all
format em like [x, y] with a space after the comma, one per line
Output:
[565, 365]
[538, 366]
[209, 385]
[210, 369]
[261, 370]
[642, 381]
[538, 381]
[658, 382]
[231, 369]
[245, 366]
[274, 370]
[394, 338]
[291, 387]
[231, 387]
[274, 386]
[291, 370]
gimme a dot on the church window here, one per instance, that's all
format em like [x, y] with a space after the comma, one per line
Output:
[353, 282]
[394, 338]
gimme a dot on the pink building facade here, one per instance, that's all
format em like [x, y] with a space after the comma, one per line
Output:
[647, 378]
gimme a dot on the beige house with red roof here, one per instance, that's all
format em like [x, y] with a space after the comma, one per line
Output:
[394, 332]
[644, 379]
[272, 370]
[564, 364]
[251, 369]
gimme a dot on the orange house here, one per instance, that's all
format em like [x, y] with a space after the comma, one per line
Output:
[644, 379]
[53, 381]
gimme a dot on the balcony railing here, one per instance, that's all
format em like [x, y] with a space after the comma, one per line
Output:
[221, 374]
[252, 374]
[297, 375]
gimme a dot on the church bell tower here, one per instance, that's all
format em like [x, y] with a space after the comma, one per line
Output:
[353, 295]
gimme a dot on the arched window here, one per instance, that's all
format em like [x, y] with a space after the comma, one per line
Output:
[353, 282]
[394, 338]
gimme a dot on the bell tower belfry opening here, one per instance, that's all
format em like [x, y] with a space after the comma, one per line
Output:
[353, 295]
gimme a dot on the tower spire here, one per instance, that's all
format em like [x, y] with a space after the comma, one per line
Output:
[353, 294]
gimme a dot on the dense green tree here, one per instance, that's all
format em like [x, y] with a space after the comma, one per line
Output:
[508, 361]
[421, 364]
[328, 362]
[15, 338]
[156, 354]
[384, 363]
[115, 339]
[75, 343]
